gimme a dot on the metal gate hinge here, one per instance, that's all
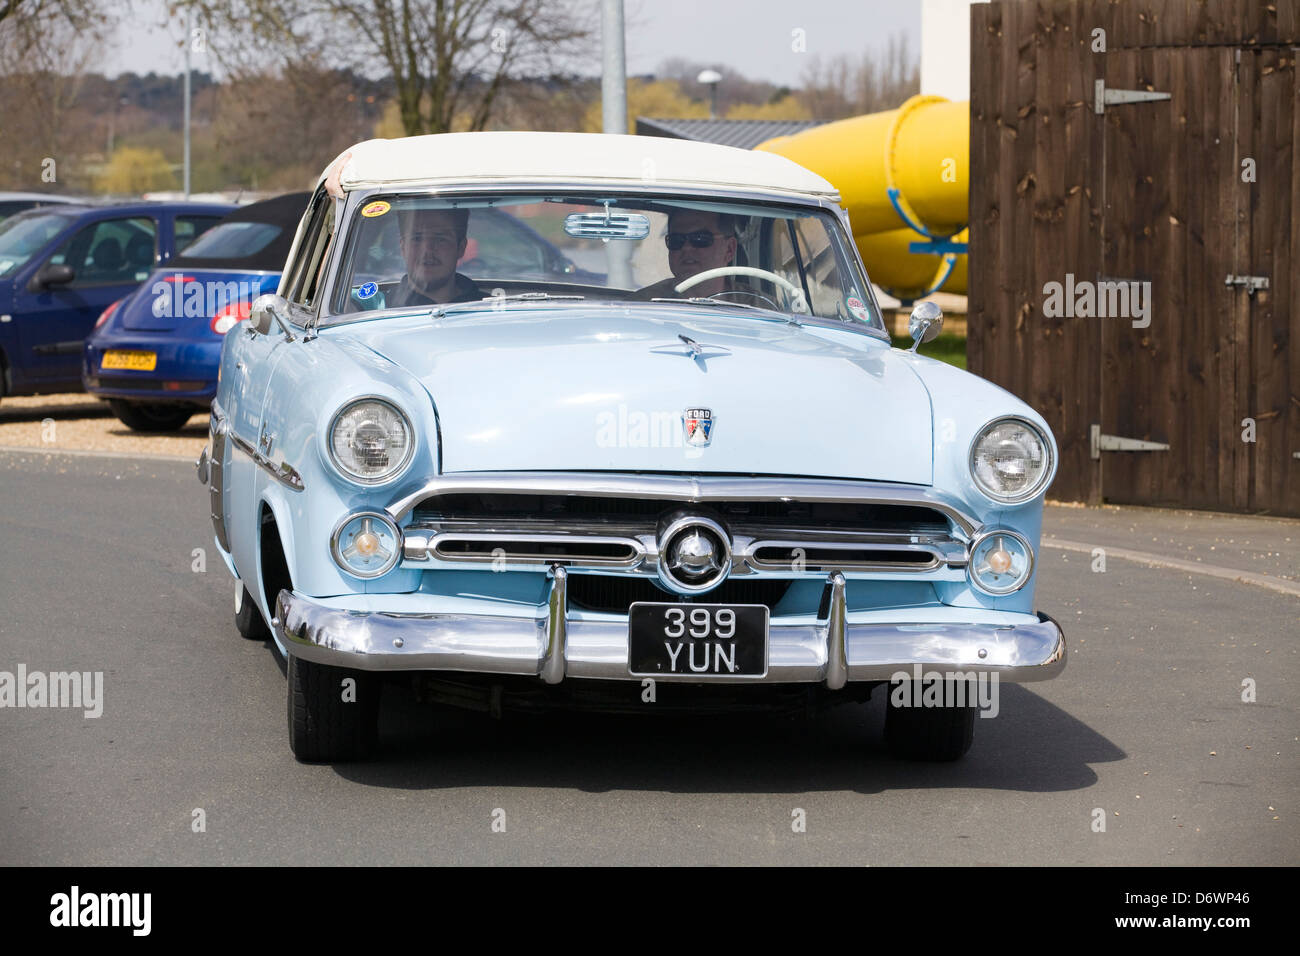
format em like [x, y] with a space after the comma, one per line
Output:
[1102, 97]
[1100, 443]
[1252, 283]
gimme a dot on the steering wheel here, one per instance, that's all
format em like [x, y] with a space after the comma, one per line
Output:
[798, 303]
[755, 294]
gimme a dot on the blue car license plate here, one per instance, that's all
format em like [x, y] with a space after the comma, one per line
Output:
[700, 641]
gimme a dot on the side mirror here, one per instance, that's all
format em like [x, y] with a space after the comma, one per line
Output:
[268, 310]
[51, 274]
[925, 323]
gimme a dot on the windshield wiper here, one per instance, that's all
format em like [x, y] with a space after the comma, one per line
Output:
[528, 296]
[788, 316]
[441, 310]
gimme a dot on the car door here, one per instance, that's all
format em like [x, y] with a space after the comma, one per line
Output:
[255, 423]
[109, 258]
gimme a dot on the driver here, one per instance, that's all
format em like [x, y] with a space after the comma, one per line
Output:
[431, 242]
[697, 241]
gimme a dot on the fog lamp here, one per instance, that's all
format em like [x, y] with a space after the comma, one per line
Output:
[366, 544]
[1000, 562]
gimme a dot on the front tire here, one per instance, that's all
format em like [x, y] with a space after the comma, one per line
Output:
[248, 619]
[143, 417]
[929, 733]
[328, 719]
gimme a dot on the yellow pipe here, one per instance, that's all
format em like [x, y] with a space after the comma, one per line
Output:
[923, 150]
[903, 274]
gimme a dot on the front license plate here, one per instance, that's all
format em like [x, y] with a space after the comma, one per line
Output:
[701, 641]
[136, 361]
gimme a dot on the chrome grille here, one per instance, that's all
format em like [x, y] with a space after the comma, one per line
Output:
[592, 526]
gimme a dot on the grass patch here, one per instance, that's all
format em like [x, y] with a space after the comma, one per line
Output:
[945, 348]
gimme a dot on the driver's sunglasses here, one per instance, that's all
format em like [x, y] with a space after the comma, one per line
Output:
[699, 239]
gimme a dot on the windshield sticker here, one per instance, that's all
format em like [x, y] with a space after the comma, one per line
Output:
[856, 307]
[367, 291]
[376, 208]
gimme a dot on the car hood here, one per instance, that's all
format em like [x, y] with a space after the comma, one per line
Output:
[588, 389]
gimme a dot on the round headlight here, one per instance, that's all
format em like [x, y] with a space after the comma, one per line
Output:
[1000, 562]
[370, 440]
[1011, 460]
[366, 544]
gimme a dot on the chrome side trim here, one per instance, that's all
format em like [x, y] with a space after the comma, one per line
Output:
[837, 664]
[597, 649]
[284, 473]
[557, 619]
[218, 436]
[689, 489]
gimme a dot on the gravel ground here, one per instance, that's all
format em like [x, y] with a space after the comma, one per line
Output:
[78, 422]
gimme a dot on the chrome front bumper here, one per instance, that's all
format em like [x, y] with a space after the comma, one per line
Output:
[552, 647]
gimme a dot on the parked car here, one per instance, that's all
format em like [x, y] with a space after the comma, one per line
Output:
[62, 265]
[13, 203]
[687, 485]
[154, 354]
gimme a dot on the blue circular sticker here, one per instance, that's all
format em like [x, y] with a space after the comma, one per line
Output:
[367, 291]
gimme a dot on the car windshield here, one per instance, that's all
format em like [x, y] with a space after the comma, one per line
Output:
[24, 235]
[792, 260]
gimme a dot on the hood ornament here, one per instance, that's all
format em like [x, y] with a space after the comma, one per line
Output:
[693, 350]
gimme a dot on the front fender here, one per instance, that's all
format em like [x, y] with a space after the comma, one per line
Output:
[963, 404]
[311, 382]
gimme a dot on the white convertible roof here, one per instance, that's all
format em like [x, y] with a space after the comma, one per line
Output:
[573, 158]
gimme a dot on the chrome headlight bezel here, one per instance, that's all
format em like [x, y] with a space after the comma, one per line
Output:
[1030, 559]
[394, 557]
[366, 480]
[1044, 478]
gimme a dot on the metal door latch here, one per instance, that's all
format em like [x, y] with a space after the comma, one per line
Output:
[1252, 283]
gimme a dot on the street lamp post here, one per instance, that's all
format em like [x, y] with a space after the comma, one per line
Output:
[711, 79]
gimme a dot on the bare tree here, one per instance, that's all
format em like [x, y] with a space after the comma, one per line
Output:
[842, 86]
[449, 60]
[45, 49]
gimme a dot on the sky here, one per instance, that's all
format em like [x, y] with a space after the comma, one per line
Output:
[756, 37]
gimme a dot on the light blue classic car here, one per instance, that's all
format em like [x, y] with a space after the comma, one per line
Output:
[687, 471]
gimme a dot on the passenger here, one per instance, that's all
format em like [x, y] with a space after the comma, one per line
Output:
[431, 242]
[697, 241]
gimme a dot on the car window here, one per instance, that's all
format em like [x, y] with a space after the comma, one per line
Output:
[308, 269]
[110, 252]
[189, 228]
[804, 254]
[232, 240]
[24, 235]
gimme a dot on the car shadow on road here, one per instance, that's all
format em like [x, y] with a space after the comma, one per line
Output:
[1031, 746]
[10, 413]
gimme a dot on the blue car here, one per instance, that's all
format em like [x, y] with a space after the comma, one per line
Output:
[154, 355]
[62, 265]
[703, 480]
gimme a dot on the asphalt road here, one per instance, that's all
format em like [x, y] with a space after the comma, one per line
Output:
[1146, 725]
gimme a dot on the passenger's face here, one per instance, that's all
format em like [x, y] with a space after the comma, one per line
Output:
[430, 248]
[688, 260]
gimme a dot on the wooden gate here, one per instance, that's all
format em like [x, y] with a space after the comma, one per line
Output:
[1155, 183]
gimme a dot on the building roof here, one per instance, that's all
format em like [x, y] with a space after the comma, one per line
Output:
[572, 158]
[743, 134]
